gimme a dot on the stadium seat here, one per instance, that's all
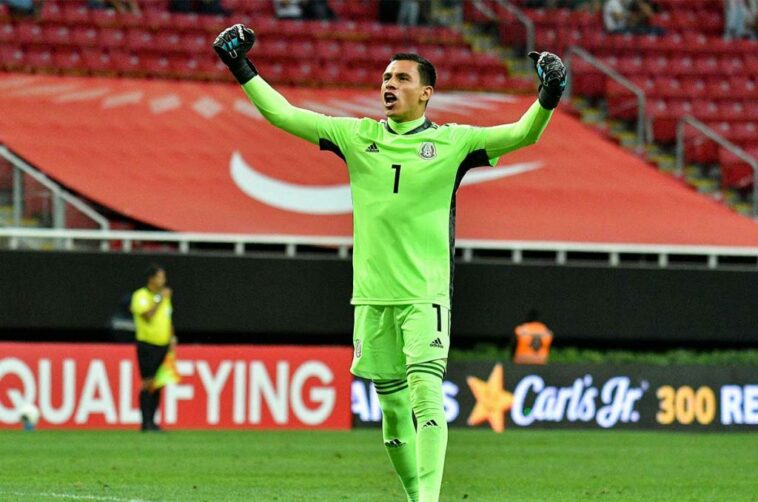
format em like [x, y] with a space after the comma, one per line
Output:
[11, 57]
[213, 69]
[745, 133]
[706, 65]
[139, 39]
[328, 49]
[57, 35]
[111, 38]
[7, 34]
[301, 73]
[355, 52]
[195, 42]
[126, 64]
[68, 60]
[83, 36]
[157, 19]
[74, 14]
[184, 22]
[668, 87]
[751, 110]
[97, 62]
[157, 65]
[29, 33]
[731, 66]
[105, 18]
[735, 173]
[706, 110]
[39, 59]
[50, 13]
[719, 88]
[696, 88]
[731, 111]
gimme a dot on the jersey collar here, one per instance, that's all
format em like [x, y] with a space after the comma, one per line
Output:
[414, 126]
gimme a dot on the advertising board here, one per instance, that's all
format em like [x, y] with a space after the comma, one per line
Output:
[96, 386]
[603, 396]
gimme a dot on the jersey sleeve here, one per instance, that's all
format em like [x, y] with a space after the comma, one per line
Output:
[508, 137]
[472, 141]
[335, 134]
[330, 133]
[140, 303]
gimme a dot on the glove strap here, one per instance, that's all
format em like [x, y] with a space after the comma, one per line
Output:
[244, 71]
[548, 100]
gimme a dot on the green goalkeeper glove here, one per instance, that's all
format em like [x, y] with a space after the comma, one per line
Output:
[232, 46]
[552, 75]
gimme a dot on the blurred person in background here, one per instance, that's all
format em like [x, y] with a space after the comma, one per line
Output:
[447, 12]
[122, 6]
[616, 16]
[404, 172]
[288, 9]
[209, 7]
[588, 5]
[388, 10]
[640, 19]
[533, 340]
[154, 332]
[22, 7]
[752, 18]
[740, 18]
[409, 12]
[317, 10]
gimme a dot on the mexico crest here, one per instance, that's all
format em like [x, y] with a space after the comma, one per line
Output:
[427, 151]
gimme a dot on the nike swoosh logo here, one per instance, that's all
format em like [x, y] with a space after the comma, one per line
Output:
[331, 199]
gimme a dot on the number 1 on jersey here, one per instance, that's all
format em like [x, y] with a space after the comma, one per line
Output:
[396, 167]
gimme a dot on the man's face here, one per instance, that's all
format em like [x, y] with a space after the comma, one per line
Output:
[157, 281]
[403, 95]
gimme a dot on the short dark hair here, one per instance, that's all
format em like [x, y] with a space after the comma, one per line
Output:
[152, 269]
[425, 69]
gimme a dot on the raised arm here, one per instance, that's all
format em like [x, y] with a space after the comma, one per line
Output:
[280, 113]
[232, 46]
[508, 137]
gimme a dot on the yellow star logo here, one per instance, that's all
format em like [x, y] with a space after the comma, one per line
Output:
[492, 401]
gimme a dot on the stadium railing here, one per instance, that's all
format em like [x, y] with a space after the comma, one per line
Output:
[642, 130]
[468, 250]
[63, 202]
[524, 19]
[703, 129]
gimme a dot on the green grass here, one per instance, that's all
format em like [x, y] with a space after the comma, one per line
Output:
[324, 466]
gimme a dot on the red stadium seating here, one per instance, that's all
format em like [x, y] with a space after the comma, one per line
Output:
[122, 40]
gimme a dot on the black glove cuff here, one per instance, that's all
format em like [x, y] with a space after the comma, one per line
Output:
[549, 100]
[244, 71]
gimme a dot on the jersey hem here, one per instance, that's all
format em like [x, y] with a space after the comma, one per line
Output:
[401, 301]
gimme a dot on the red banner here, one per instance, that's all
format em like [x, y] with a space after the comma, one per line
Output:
[96, 386]
[187, 156]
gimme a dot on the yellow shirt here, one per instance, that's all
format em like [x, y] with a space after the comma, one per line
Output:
[156, 331]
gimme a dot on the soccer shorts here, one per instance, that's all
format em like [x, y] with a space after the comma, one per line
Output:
[387, 338]
[150, 357]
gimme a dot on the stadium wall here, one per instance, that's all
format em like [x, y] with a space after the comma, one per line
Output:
[275, 299]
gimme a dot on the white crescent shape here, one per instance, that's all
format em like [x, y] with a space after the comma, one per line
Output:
[331, 199]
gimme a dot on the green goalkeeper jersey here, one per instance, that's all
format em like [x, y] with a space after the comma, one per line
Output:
[403, 179]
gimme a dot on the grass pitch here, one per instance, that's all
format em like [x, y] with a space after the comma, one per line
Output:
[324, 466]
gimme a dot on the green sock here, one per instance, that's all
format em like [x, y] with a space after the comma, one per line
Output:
[425, 385]
[399, 433]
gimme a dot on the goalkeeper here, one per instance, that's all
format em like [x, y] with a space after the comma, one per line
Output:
[404, 172]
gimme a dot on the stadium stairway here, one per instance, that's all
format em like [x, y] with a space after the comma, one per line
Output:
[691, 69]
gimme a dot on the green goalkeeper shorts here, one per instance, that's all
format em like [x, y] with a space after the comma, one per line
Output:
[387, 338]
